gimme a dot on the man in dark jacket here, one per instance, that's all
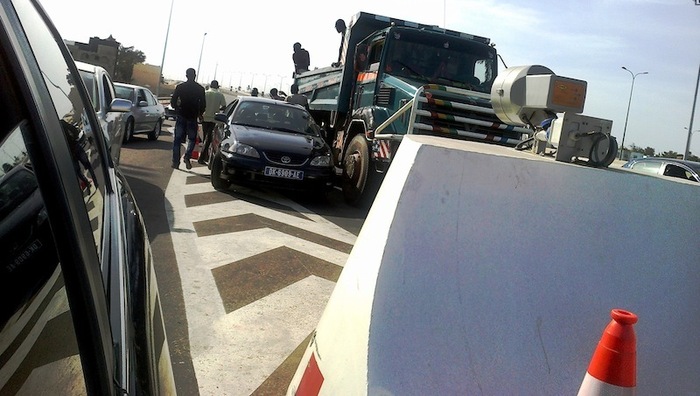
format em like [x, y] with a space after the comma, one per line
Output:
[301, 59]
[189, 103]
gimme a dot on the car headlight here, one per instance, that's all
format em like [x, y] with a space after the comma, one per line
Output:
[323, 160]
[241, 149]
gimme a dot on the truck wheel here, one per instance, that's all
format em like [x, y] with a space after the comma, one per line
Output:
[355, 170]
[216, 181]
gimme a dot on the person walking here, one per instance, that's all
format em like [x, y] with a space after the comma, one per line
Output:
[189, 103]
[297, 98]
[215, 101]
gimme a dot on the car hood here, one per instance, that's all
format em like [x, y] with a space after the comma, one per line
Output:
[272, 140]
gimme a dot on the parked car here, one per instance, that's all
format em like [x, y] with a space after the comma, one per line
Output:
[687, 170]
[268, 141]
[109, 108]
[147, 114]
[170, 111]
[80, 310]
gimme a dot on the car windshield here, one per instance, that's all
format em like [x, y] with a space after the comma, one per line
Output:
[276, 117]
[429, 58]
[124, 92]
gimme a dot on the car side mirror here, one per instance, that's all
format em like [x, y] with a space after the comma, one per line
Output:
[221, 117]
[120, 105]
[143, 103]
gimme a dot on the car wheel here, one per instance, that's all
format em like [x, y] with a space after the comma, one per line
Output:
[216, 180]
[355, 170]
[155, 133]
[128, 130]
[210, 156]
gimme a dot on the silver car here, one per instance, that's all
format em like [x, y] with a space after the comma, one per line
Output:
[109, 109]
[687, 170]
[147, 114]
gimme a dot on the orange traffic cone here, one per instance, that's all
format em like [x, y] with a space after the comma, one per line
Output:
[613, 368]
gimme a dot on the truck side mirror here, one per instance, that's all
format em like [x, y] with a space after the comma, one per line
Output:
[361, 57]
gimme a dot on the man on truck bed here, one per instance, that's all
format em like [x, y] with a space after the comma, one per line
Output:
[301, 59]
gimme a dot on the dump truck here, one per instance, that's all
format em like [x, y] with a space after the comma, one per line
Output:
[394, 78]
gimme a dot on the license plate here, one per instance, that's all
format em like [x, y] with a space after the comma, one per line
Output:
[284, 173]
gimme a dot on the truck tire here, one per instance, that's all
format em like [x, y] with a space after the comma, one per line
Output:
[356, 172]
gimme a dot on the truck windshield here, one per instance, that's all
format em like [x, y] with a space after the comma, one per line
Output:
[428, 57]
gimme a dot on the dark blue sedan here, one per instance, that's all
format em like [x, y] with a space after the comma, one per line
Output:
[269, 142]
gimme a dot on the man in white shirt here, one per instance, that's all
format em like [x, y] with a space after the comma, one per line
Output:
[215, 101]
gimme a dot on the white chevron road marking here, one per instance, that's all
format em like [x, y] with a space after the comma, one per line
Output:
[234, 353]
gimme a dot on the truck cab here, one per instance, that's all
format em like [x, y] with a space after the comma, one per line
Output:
[397, 78]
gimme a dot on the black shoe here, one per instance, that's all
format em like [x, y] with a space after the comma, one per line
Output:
[175, 166]
[188, 165]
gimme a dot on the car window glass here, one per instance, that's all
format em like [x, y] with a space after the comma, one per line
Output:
[109, 95]
[231, 106]
[124, 92]
[81, 135]
[37, 336]
[651, 167]
[677, 171]
[38, 342]
[91, 85]
[151, 99]
[141, 96]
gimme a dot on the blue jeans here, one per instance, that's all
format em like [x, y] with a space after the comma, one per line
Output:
[184, 127]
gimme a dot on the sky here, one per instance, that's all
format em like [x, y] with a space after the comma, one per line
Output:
[250, 43]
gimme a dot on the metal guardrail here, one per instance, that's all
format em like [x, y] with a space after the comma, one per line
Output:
[444, 110]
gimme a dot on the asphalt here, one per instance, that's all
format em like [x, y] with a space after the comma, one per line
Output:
[146, 165]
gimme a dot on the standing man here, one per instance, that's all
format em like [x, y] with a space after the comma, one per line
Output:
[340, 28]
[189, 103]
[297, 98]
[215, 102]
[301, 59]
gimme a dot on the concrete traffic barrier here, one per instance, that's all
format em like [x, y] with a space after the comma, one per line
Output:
[481, 270]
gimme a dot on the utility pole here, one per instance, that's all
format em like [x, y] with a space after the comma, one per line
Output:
[200, 56]
[692, 115]
[167, 32]
[624, 131]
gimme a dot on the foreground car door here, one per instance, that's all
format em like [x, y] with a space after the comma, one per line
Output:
[80, 312]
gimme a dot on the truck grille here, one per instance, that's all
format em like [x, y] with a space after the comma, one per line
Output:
[440, 110]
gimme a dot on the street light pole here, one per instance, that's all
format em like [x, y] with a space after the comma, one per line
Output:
[200, 55]
[624, 131]
[692, 115]
[167, 32]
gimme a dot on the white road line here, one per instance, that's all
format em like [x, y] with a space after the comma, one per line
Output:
[281, 320]
[235, 353]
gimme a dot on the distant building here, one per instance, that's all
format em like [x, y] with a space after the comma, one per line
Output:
[99, 52]
[146, 75]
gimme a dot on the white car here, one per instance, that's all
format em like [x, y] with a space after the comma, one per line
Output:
[146, 115]
[109, 108]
